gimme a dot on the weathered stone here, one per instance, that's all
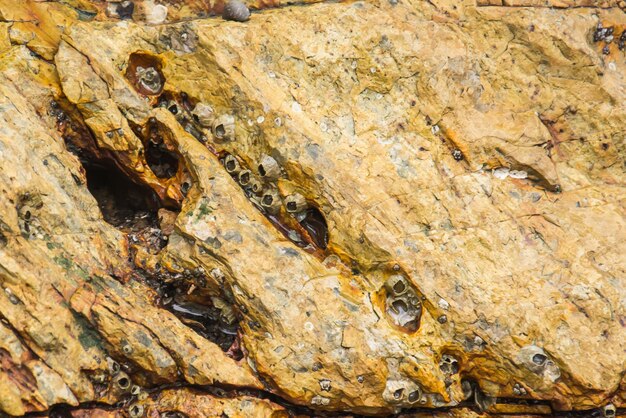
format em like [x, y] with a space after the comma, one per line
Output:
[459, 229]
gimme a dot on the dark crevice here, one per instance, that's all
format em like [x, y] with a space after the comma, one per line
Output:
[187, 296]
[206, 320]
[123, 203]
[315, 224]
[162, 162]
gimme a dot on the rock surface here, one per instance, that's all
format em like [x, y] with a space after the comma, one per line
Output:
[362, 207]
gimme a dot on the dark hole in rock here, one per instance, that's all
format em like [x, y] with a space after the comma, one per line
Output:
[316, 226]
[268, 199]
[61, 411]
[454, 367]
[173, 108]
[173, 414]
[206, 320]
[220, 131]
[3, 240]
[399, 306]
[124, 204]
[123, 382]
[414, 396]
[231, 165]
[162, 162]
[399, 287]
[184, 188]
[398, 394]
[262, 170]
[130, 207]
[144, 72]
[539, 359]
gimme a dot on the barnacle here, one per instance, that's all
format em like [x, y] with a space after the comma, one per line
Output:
[231, 164]
[224, 128]
[149, 80]
[269, 168]
[448, 364]
[245, 177]
[135, 410]
[203, 114]
[537, 361]
[401, 391]
[295, 203]
[397, 285]
[270, 200]
[122, 381]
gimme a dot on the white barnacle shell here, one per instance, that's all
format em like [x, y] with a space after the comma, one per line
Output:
[269, 168]
[518, 174]
[295, 203]
[319, 400]
[149, 79]
[156, 15]
[203, 113]
[402, 391]
[231, 165]
[501, 173]
[224, 128]
[270, 200]
[236, 10]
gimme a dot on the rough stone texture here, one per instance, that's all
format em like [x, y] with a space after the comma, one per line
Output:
[473, 154]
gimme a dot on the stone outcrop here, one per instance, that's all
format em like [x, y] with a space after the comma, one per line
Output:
[359, 207]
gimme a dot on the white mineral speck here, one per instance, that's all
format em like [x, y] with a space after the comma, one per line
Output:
[518, 174]
[501, 173]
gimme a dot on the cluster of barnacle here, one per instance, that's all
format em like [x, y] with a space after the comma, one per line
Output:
[607, 35]
[29, 225]
[199, 120]
[403, 305]
[122, 383]
[262, 189]
[449, 365]
[403, 392]
[537, 361]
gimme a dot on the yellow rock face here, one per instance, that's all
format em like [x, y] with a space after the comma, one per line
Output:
[359, 207]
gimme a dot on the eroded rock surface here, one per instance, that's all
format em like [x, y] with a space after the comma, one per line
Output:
[362, 207]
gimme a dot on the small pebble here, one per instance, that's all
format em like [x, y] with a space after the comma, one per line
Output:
[236, 10]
